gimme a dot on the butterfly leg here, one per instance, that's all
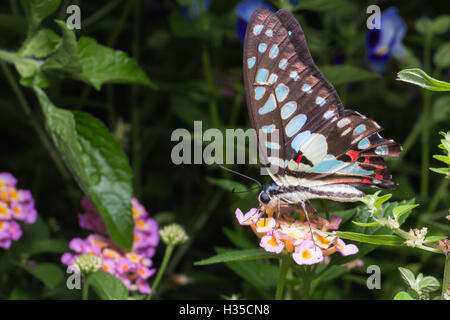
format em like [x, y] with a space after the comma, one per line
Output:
[309, 223]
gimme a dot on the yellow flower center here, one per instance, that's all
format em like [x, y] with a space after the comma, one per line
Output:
[306, 255]
[13, 194]
[323, 240]
[272, 242]
[382, 50]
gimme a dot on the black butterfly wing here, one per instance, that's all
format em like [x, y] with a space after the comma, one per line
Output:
[319, 141]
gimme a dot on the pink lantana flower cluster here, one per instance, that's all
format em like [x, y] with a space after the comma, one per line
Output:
[132, 267]
[287, 234]
[15, 205]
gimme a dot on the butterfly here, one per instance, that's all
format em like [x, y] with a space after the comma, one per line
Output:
[322, 150]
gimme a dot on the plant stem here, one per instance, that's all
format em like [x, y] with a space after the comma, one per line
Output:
[167, 254]
[446, 280]
[86, 289]
[285, 263]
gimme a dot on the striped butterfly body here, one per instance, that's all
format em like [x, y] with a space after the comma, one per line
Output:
[321, 150]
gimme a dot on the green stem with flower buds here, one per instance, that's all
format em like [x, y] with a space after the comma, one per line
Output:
[167, 254]
[446, 280]
[285, 263]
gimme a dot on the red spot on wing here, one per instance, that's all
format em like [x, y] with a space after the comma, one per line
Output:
[367, 181]
[353, 154]
[379, 176]
[300, 158]
[367, 160]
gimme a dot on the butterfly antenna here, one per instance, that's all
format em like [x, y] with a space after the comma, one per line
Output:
[242, 175]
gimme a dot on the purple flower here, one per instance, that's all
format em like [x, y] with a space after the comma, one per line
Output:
[14, 205]
[132, 267]
[244, 11]
[383, 43]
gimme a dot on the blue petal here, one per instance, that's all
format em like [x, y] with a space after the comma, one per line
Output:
[245, 9]
[241, 27]
[382, 44]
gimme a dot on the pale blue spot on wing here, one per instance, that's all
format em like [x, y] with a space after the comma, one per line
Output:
[343, 122]
[273, 78]
[320, 101]
[288, 109]
[273, 51]
[269, 32]
[354, 169]
[363, 144]
[295, 125]
[273, 145]
[289, 32]
[294, 75]
[360, 128]
[281, 91]
[268, 129]
[283, 63]
[259, 92]
[328, 114]
[382, 151]
[269, 106]
[327, 166]
[257, 29]
[300, 140]
[251, 62]
[306, 88]
[262, 75]
[262, 47]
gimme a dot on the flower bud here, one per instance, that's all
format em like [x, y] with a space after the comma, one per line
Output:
[88, 263]
[173, 235]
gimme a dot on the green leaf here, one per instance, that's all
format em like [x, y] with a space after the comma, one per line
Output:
[369, 224]
[50, 274]
[401, 210]
[259, 273]
[445, 171]
[431, 239]
[441, 57]
[45, 246]
[107, 286]
[338, 75]
[38, 10]
[40, 45]
[65, 57]
[442, 158]
[387, 240]
[237, 255]
[429, 284]
[407, 276]
[420, 78]
[98, 164]
[101, 65]
[20, 293]
[441, 24]
[402, 295]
